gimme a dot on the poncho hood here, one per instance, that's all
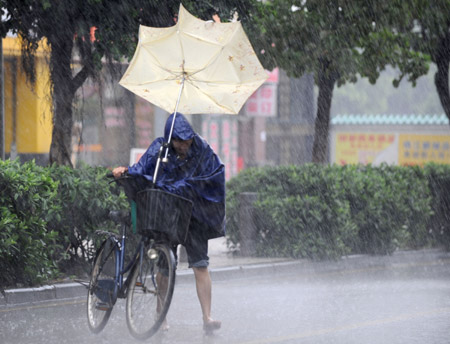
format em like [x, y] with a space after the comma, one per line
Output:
[182, 129]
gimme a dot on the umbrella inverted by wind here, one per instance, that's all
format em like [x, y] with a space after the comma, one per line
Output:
[194, 66]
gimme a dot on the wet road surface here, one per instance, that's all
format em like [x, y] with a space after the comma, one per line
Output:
[402, 303]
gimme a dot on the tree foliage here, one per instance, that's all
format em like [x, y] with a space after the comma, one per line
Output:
[82, 33]
[410, 35]
[425, 29]
[335, 41]
[383, 98]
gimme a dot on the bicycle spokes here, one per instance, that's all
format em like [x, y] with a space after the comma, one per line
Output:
[150, 291]
[101, 294]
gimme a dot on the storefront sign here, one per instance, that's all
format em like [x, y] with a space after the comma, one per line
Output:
[420, 149]
[361, 148]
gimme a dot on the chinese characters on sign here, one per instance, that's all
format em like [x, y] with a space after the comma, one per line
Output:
[420, 149]
[401, 149]
[361, 148]
[263, 102]
[221, 134]
[210, 131]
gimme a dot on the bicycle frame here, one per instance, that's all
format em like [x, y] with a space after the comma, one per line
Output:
[119, 247]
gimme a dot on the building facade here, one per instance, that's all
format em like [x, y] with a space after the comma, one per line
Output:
[393, 139]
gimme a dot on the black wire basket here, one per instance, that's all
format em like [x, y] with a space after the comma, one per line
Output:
[163, 213]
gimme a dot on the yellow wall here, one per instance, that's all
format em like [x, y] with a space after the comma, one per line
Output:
[33, 103]
[8, 110]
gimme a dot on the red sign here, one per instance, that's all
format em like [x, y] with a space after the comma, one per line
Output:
[263, 102]
[221, 134]
[273, 76]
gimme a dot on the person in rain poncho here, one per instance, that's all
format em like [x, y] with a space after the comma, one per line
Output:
[195, 172]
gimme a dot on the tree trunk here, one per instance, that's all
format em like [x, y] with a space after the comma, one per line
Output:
[442, 59]
[63, 94]
[60, 148]
[326, 82]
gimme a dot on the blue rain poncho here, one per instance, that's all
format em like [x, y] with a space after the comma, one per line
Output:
[200, 177]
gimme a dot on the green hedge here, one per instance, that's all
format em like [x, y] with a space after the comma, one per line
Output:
[48, 215]
[28, 201]
[439, 183]
[390, 205]
[326, 211]
[86, 196]
[48, 219]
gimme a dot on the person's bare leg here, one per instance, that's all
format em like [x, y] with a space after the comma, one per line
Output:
[203, 284]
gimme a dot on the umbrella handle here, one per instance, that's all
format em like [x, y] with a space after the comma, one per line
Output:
[165, 145]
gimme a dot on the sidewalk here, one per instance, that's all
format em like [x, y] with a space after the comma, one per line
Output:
[224, 265]
[221, 257]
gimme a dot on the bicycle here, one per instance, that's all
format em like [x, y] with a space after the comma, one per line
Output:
[162, 220]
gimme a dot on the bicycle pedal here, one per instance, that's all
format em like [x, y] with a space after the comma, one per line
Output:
[103, 306]
[139, 284]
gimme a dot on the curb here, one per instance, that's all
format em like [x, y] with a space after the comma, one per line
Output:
[72, 290]
[351, 263]
[27, 295]
[44, 293]
[244, 270]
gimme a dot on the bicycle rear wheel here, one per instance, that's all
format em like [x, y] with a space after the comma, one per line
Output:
[150, 291]
[101, 293]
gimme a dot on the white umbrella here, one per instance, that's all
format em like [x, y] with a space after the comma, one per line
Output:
[194, 66]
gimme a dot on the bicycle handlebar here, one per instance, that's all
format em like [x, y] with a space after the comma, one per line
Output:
[125, 175]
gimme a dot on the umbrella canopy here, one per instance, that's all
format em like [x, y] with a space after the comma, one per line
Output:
[194, 66]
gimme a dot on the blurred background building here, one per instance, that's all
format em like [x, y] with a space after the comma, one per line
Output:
[275, 127]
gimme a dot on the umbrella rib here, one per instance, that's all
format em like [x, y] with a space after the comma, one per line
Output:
[182, 51]
[176, 75]
[211, 61]
[223, 82]
[219, 53]
[212, 99]
[160, 66]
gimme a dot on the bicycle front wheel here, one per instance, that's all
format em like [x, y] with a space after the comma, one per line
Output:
[101, 293]
[150, 291]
